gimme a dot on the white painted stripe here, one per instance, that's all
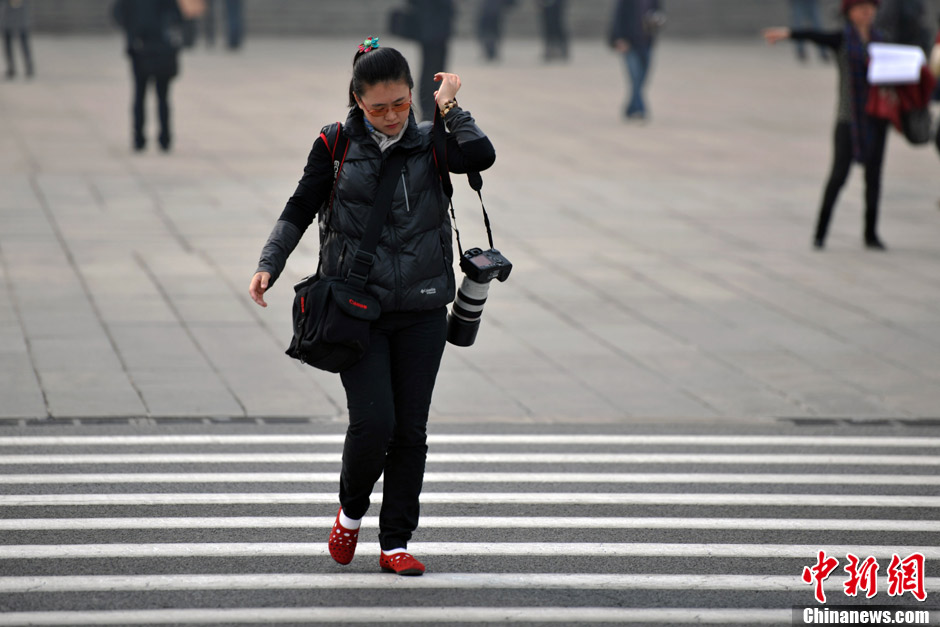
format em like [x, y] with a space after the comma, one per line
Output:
[898, 461]
[378, 581]
[516, 498]
[541, 439]
[471, 522]
[477, 477]
[398, 615]
[531, 549]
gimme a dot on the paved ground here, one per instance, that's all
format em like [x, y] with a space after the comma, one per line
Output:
[661, 271]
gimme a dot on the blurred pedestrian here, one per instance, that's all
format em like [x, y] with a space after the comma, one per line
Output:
[804, 14]
[433, 30]
[858, 137]
[934, 62]
[192, 11]
[633, 32]
[389, 390]
[234, 23]
[554, 33]
[153, 30]
[490, 26]
[905, 22]
[15, 19]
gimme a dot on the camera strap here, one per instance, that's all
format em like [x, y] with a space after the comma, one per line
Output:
[439, 137]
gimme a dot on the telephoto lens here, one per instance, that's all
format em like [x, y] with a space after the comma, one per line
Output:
[479, 268]
[463, 322]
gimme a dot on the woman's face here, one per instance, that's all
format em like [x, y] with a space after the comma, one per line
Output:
[862, 15]
[386, 106]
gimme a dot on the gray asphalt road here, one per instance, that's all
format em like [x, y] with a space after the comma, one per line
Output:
[220, 525]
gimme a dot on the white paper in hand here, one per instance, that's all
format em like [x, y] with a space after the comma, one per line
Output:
[894, 64]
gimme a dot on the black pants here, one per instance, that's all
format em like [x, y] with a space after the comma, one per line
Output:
[389, 395]
[433, 60]
[553, 30]
[841, 163]
[8, 52]
[142, 78]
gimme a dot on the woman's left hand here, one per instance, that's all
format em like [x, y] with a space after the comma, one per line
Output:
[450, 84]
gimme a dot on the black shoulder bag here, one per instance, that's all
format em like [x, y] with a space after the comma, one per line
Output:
[332, 315]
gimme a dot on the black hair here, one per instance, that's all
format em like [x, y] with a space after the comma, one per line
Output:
[380, 65]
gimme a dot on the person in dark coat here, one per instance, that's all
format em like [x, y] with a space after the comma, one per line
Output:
[633, 33]
[154, 36]
[15, 21]
[389, 390]
[858, 137]
[434, 29]
[490, 26]
[905, 22]
[554, 33]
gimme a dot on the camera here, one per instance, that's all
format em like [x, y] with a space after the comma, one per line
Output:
[479, 267]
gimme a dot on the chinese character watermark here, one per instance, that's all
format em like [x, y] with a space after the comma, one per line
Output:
[904, 575]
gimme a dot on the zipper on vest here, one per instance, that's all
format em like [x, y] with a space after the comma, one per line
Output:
[404, 188]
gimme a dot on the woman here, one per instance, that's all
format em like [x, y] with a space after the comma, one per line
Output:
[154, 33]
[858, 136]
[389, 391]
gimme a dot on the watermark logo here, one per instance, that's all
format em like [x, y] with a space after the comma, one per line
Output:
[904, 575]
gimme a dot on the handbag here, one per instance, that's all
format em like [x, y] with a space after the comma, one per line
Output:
[332, 316]
[916, 126]
[653, 22]
[936, 139]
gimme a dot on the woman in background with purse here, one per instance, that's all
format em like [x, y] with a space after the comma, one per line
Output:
[858, 136]
[389, 390]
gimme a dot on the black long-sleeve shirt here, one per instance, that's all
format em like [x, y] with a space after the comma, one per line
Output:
[834, 40]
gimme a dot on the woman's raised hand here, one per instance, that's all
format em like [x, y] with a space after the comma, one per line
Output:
[779, 33]
[450, 84]
[259, 284]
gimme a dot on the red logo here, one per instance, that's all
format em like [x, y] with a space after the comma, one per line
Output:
[904, 575]
[359, 305]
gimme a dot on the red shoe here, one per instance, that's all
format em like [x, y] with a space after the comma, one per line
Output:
[401, 563]
[343, 542]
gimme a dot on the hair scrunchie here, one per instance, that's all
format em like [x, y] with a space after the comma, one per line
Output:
[369, 43]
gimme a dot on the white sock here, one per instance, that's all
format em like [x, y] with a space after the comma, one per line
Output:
[348, 522]
[394, 551]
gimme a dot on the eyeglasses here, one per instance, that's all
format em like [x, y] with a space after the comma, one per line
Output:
[383, 109]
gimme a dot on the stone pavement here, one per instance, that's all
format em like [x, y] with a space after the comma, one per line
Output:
[661, 271]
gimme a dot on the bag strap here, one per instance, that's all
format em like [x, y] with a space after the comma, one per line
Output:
[365, 256]
[340, 147]
[439, 142]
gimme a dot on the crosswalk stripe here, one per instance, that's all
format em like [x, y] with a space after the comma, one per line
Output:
[379, 581]
[517, 498]
[899, 461]
[471, 522]
[541, 439]
[478, 477]
[397, 615]
[531, 549]
[829, 455]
